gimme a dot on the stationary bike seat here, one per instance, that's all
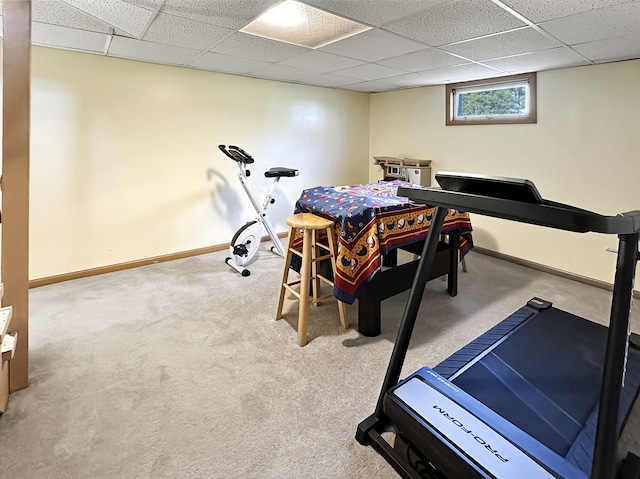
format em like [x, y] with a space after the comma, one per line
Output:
[279, 172]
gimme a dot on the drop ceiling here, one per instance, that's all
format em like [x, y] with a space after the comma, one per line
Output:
[411, 43]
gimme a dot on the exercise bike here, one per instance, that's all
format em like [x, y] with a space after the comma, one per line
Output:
[246, 241]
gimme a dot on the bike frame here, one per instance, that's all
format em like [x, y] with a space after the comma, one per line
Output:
[261, 210]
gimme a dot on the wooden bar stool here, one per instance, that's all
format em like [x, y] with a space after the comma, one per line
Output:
[311, 226]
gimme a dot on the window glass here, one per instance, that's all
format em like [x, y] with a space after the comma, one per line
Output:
[497, 100]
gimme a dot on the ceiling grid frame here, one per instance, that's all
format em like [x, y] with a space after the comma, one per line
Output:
[396, 53]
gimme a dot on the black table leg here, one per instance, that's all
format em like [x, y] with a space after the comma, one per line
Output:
[454, 258]
[391, 258]
[369, 313]
[392, 281]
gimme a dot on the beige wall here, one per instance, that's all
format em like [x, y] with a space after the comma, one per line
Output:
[584, 150]
[125, 164]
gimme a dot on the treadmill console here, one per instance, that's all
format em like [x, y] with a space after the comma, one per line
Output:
[494, 186]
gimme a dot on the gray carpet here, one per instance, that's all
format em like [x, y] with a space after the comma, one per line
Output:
[178, 370]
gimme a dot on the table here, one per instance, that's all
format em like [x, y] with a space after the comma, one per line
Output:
[374, 222]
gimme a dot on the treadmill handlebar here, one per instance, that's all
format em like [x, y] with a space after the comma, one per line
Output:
[548, 213]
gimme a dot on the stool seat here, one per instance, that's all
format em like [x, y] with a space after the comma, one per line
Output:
[308, 221]
[310, 225]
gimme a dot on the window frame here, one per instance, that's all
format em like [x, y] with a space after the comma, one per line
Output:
[497, 82]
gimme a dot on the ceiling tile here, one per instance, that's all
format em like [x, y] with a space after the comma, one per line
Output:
[328, 80]
[414, 80]
[409, 80]
[369, 71]
[369, 87]
[150, 52]
[372, 46]
[278, 71]
[542, 10]
[609, 22]
[374, 12]
[184, 32]
[257, 48]
[56, 12]
[148, 4]
[427, 59]
[321, 61]
[64, 37]
[117, 13]
[515, 42]
[538, 61]
[454, 74]
[618, 48]
[224, 13]
[454, 22]
[226, 63]
[412, 42]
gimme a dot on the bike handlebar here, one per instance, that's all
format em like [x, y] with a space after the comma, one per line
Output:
[236, 154]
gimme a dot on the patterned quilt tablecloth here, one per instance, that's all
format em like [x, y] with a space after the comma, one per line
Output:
[373, 221]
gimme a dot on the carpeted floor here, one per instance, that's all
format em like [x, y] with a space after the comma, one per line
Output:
[178, 370]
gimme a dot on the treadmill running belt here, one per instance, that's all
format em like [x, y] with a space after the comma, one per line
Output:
[545, 379]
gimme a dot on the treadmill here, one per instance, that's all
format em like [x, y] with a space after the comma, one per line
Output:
[543, 394]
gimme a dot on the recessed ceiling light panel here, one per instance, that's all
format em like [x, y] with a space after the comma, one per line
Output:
[299, 24]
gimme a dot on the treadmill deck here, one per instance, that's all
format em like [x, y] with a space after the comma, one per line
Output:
[540, 389]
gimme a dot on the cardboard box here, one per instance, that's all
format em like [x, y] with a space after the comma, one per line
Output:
[7, 352]
[4, 386]
[5, 318]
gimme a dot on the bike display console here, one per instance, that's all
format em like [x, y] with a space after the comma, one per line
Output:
[544, 394]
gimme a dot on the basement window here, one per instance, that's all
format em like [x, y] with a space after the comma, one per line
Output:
[493, 101]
